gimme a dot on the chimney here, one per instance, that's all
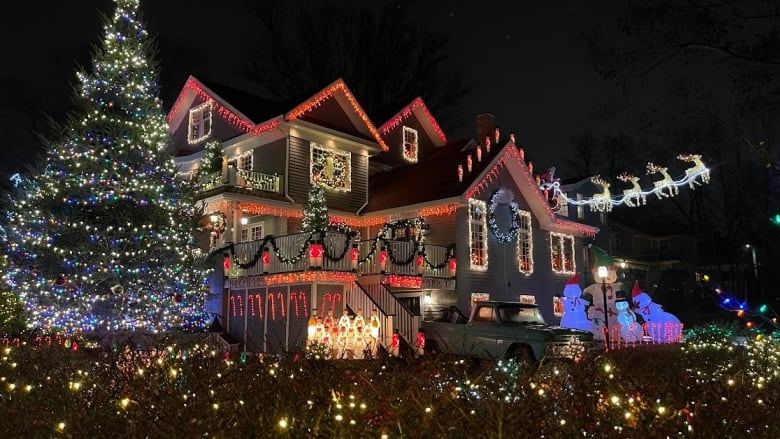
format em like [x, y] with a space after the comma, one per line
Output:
[486, 126]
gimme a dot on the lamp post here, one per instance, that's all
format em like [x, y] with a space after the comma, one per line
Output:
[602, 271]
[752, 249]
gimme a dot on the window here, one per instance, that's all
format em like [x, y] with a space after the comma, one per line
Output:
[252, 232]
[562, 253]
[485, 314]
[245, 161]
[410, 145]
[200, 123]
[408, 230]
[525, 256]
[330, 168]
[478, 235]
[580, 208]
[562, 200]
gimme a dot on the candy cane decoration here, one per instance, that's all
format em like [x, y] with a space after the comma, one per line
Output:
[270, 298]
[305, 303]
[259, 299]
[280, 296]
[236, 298]
[335, 298]
[294, 300]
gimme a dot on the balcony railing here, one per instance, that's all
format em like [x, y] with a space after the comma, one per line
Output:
[291, 253]
[241, 178]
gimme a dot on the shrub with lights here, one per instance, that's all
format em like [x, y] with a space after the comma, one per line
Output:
[100, 238]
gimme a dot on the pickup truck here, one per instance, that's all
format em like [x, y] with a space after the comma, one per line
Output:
[503, 330]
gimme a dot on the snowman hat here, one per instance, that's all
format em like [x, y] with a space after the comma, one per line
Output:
[636, 290]
[602, 258]
[574, 280]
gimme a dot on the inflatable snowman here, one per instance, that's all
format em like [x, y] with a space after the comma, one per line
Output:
[630, 330]
[661, 326]
[574, 305]
[600, 312]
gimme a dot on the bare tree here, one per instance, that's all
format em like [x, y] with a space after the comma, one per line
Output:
[385, 56]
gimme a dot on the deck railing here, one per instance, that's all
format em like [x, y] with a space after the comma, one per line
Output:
[290, 253]
[241, 178]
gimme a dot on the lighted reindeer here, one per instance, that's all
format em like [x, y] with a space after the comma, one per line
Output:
[666, 182]
[601, 201]
[698, 169]
[635, 193]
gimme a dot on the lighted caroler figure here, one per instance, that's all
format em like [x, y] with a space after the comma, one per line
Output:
[630, 330]
[661, 326]
[593, 292]
[574, 305]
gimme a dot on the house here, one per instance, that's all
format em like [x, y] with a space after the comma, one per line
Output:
[422, 222]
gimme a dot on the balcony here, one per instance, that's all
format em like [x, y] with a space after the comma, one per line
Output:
[338, 252]
[240, 178]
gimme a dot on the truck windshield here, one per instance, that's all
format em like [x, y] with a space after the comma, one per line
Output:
[520, 314]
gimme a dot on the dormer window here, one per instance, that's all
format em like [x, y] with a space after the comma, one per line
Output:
[200, 123]
[410, 145]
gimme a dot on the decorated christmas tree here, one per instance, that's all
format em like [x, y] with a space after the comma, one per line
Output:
[212, 158]
[315, 211]
[101, 237]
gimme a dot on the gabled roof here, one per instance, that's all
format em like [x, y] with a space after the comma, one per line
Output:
[195, 88]
[339, 91]
[417, 109]
[439, 174]
[267, 115]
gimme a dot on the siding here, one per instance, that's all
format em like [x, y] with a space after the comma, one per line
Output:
[270, 158]
[220, 130]
[299, 184]
[503, 280]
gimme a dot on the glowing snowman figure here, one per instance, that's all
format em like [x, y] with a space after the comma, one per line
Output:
[629, 328]
[661, 326]
[574, 305]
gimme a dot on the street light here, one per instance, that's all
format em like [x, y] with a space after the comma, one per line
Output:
[602, 272]
[752, 249]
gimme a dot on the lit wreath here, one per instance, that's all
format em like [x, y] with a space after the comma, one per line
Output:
[504, 194]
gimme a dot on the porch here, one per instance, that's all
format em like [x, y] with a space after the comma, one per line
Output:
[287, 292]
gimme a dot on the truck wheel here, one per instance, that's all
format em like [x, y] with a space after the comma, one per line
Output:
[522, 355]
[431, 348]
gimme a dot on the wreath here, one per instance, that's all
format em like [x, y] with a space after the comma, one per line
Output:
[504, 196]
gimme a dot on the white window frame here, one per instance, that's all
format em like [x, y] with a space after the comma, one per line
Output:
[252, 232]
[245, 161]
[410, 141]
[478, 243]
[200, 123]
[563, 245]
[562, 201]
[525, 243]
[319, 154]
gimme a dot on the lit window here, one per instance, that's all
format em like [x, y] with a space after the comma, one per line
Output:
[245, 161]
[562, 201]
[200, 123]
[478, 235]
[562, 253]
[525, 247]
[580, 208]
[252, 232]
[330, 168]
[410, 145]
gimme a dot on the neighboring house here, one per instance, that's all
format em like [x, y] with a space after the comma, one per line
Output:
[424, 222]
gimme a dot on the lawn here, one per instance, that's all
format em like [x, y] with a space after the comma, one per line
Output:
[708, 386]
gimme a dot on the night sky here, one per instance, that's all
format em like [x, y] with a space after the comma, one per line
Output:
[524, 63]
